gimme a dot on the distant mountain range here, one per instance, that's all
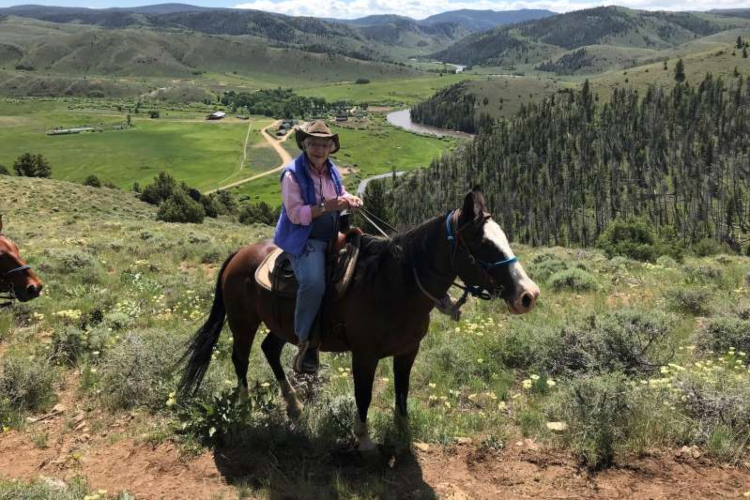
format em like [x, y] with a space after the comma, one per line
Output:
[470, 20]
[615, 27]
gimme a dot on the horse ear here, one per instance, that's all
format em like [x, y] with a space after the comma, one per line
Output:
[1, 223]
[474, 205]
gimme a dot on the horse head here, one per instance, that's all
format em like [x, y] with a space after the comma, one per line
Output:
[482, 257]
[16, 278]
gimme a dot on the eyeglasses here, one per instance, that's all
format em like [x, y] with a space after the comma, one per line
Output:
[319, 144]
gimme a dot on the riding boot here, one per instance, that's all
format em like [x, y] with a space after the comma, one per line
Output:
[306, 360]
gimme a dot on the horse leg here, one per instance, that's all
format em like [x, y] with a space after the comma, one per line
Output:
[401, 370]
[364, 376]
[272, 346]
[243, 333]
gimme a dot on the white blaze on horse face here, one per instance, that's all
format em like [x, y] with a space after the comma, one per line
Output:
[526, 290]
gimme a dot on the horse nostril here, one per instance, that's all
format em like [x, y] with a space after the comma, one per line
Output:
[526, 300]
[32, 291]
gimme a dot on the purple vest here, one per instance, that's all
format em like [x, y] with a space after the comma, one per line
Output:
[292, 237]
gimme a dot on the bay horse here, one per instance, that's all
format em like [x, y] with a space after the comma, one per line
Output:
[17, 280]
[385, 313]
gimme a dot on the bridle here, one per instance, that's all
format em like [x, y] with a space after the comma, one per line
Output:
[6, 287]
[456, 240]
[446, 304]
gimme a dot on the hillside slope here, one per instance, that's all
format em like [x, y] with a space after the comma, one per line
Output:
[549, 38]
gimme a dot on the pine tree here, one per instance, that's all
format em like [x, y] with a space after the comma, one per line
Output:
[740, 43]
[744, 52]
[679, 71]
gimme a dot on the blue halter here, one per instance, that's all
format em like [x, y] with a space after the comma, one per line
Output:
[486, 265]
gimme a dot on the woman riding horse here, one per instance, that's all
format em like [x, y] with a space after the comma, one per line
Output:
[313, 195]
[17, 280]
[386, 311]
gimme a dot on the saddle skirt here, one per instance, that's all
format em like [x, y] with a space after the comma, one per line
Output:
[276, 275]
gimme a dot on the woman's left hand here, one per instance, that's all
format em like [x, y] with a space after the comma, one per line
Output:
[354, 201]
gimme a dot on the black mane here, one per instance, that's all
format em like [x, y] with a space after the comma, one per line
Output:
[404, 248]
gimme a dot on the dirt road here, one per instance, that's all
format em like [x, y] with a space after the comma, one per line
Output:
[276, 145]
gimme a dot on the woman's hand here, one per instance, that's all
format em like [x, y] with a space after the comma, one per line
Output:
[336, 204]
[354, 201]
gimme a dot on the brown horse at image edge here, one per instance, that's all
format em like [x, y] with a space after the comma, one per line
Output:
[384, 312]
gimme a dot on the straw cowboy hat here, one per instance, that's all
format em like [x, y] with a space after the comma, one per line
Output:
[318, 128]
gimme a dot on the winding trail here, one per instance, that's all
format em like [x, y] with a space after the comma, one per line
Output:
[275, 144]
[363, 183]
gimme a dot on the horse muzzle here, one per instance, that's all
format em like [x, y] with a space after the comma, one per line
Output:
[526, 299]
[28, 292]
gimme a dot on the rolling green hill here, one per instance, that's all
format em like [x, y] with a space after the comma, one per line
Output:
[307, 33]
[42, 58]
[551, 38]
[480, 20]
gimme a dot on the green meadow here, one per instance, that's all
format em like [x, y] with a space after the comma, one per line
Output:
[204, 154]
[386, 91]
[373, 148]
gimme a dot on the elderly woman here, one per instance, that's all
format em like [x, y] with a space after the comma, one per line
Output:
[312, 195]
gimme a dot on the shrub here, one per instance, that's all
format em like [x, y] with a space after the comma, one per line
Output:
[137, 371]
[92, 181]
[261, 213]
[546, 268]
[47, 489]
[574, 279]
[708, 246]
[163, 187]
[29, 165]
[181, 208]
[666, 261]
[224, 202]
[209, 207]
[720, 334]
[65, 261]
[628, 341]
[25, 385]
[598, 413]
[635, 239]
[690, 300]
[362, 81]
[718, 401]
[703, 274]
[4, 170]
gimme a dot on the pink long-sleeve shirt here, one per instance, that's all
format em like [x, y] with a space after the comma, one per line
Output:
[291, 195]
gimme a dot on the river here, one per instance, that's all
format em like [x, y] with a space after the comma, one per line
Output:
[402, 119]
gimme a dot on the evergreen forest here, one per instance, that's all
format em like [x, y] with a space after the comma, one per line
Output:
[560, 171]
[452, 108]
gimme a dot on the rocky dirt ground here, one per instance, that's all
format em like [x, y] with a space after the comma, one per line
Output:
[91, 444]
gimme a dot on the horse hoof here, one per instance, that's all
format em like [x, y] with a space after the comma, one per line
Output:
[243, 397]
[294, 411]
[367, 447]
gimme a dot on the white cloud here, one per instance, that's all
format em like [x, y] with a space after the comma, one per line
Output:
[353, 9]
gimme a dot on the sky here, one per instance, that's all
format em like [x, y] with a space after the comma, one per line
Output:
[418, 9]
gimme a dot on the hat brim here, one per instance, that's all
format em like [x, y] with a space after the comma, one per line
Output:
[300, 135]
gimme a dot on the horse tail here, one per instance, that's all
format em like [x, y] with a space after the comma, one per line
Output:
[201, 345]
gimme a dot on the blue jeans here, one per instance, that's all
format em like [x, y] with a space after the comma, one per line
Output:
[309, 269]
